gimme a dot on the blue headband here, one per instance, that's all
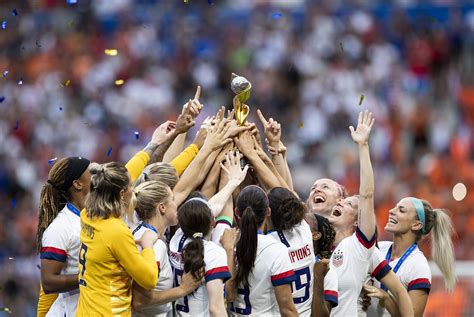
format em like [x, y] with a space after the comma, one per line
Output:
[420, 211]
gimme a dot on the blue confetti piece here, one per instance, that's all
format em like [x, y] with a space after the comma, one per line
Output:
[5, 73]
[60, 108]
[71, 1]
[17, 125]
[276, 15]
[13, 202]
[4, 25]
[137, 135]
[51, 161]
[2, 99]
[14, 12]
[109, 151]
[20, 82]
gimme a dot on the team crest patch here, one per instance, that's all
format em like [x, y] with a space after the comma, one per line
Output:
[337, 258]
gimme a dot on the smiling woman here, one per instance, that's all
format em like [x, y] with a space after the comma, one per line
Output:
[324, 195]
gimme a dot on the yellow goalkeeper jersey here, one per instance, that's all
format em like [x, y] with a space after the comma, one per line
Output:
[108, 261]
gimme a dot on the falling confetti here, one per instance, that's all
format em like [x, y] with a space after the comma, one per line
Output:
[17, 125]
[51, 161]
[342, 48]
[137, 135]
[20, 82]
[111, 52]
[70, 24]
[2, 99]
[276, 15]
[301, 125]
[66, 83]
[5, 73]
[6, 309]
[10, 258]
[185, 1]
[459, 191]
[109, 151]
[14, 12]
[4, 25]
[71, 1]
[60, 108]
[361, 99]
[13, 203]
[119, 82]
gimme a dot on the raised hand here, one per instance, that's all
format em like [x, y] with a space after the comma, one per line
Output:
[245, 143]
[163, 132]
[228, 238]
[272, 129]
[194, 106]
[184, 123]
[232, 167]
[217, 134]
[235, 129]
[200, 137]
[364, 125]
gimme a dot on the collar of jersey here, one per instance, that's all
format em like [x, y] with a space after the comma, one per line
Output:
[73, 209]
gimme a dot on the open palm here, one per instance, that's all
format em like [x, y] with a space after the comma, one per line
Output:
[364, 125]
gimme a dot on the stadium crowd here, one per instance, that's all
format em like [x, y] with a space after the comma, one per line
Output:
[313, 66]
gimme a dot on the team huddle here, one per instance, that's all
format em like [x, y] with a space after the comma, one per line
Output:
[217, 229]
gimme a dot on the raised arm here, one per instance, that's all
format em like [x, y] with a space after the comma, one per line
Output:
[366, 218]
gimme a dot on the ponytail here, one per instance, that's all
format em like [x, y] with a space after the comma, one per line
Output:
[438, 222]
[52, 199]
[193, 256]
[246, 249]
[442, 247]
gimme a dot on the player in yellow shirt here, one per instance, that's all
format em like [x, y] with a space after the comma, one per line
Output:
[109, 258]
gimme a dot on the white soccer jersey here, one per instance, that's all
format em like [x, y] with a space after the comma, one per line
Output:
[299, 243]
[351, 260]
[220, 226]
[331, 293]
[165, 273]
[61, 242]
[414, 273]
[215, 258]
[272, 268]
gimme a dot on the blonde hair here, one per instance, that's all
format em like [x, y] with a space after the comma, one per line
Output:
[107, 181]
[52, 199]
[159, 171]
[438, 222]
[147, 196]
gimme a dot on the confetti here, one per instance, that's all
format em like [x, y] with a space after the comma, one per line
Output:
[13, 203]
[111, 52]
[5, 73]
[66, 83]
[276, 15]
[361, 99]
[4, 25]
[2, 99]
[14, 12]
[38, 266]
[71, 1]
[20, 82]
[459, 191]
[10, 258]
[109, 151]
[51, 161]
[6, 309]
[301, 125]
[17, 125]
[119, 82]
[342, 48]
[70, 24]
[60, 108]
[185, 1]
[137, 135]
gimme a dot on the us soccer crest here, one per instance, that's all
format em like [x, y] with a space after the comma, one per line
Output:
[337, 258]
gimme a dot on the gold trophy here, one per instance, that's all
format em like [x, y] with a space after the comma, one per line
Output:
[241, 87]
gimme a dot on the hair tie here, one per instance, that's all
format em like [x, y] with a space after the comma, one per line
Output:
[198, 235]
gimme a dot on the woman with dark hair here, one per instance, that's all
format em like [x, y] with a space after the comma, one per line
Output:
[410, 221]
[191, 251]
[287, 225]
[263, 271]
[61, 199]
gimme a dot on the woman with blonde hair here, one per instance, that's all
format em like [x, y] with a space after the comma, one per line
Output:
[411, 220]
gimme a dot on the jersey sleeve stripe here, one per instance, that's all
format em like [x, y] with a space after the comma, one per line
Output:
[51, 253]
[218, 273]
[331, 297]
[223, 220]
[420, 283]
[283, 278]
[363, 239]
[381, 270]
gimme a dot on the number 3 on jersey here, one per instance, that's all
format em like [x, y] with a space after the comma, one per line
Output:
[303, 279]
[82, 262]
